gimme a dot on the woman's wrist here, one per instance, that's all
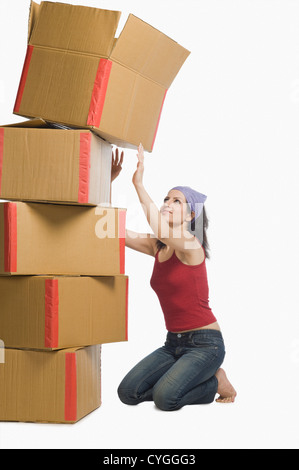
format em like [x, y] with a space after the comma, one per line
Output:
[138, 186]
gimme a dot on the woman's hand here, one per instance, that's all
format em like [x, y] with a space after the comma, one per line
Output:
[116, 165]
[138, 175]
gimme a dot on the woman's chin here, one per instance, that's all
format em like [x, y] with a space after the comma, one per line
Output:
[166, 216]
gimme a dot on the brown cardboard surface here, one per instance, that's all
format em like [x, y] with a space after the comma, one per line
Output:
[58, 386]
[42, 164]
[58, 26]
[39, 312]
[40, 238]
[67, 79]
[138, 101]
[154, 55]
[59, 86]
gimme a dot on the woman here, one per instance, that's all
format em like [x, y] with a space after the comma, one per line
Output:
[186, 370]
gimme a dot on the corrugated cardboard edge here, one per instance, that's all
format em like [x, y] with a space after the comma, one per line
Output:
[158, 121]
[89, 380]
[28, 124]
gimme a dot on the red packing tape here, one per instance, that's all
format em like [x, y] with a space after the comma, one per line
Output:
[84, 166]
[127, 307]
[99, 93]
[10, 237]
[1, 154]
[70, 401]
[23, 78]
[51, 313]
[122, 239]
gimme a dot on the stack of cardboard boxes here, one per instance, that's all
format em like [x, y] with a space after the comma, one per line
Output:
[63, 288]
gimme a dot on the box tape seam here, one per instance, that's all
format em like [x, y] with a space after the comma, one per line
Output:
[51, 313]
[84, 167]
[99, 93]
[10, 237]
[23, 78]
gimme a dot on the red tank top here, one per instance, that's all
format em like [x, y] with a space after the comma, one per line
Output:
[183, 293]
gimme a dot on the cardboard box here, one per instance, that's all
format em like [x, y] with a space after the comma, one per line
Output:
[39, 238]
[38, 312]
[42, 164]
[58, 386]
[77, 73]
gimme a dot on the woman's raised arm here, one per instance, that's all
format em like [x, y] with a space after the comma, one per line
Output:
[143, 242]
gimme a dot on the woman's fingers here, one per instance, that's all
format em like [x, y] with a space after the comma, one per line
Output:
[116, 157]
[116, 160]
[140, 154]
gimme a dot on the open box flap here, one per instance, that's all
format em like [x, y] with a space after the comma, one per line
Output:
[33, 13]
[85, 30]
[149, 52]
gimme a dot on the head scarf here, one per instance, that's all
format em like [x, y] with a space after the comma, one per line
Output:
[195, 199]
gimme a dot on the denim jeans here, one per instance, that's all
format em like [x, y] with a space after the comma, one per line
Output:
[182, 372]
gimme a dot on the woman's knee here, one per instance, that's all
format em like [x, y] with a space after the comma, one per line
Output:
[165, 400]
[127, 395]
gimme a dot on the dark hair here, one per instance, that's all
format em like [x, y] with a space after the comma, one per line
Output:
[197, 228]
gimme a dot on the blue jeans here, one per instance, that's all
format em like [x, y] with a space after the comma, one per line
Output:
[182, 372]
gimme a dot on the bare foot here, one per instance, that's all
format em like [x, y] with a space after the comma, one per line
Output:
[227, 393]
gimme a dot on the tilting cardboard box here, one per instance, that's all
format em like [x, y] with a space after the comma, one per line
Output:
[38, 312]
[38, 238]
[77, 73]
[42, 164]
[58, 386]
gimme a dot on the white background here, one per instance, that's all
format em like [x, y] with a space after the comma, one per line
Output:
[230, 129]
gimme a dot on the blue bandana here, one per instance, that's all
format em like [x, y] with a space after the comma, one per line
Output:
[194, 198]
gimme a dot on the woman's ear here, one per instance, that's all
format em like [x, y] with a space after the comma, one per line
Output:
[190, 216]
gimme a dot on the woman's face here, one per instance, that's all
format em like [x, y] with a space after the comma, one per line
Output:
[175, 208]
